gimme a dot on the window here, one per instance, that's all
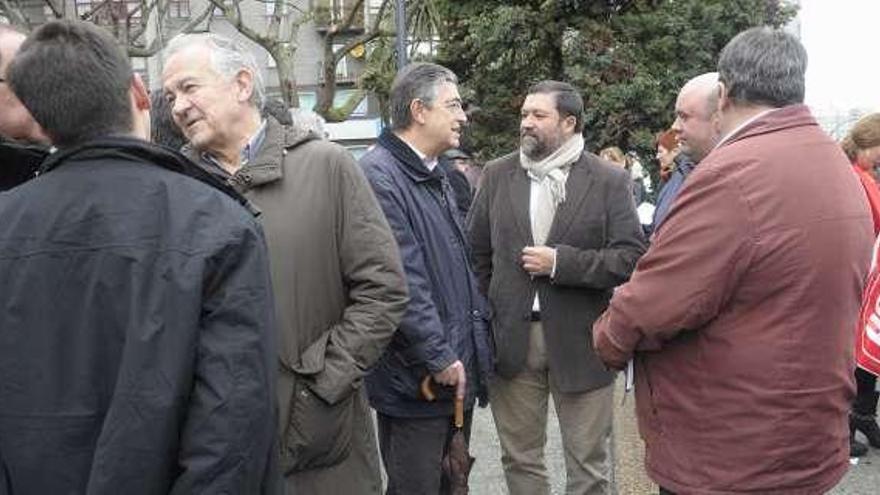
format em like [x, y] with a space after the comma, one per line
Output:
[342, 96]
[178, 9]
[109, 12]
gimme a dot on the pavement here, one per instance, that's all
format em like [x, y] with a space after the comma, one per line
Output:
[487, 478]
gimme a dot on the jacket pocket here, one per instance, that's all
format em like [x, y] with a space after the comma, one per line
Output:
[318, 434]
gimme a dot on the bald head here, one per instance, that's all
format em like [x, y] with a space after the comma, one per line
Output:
[696, 116]
[16, 121]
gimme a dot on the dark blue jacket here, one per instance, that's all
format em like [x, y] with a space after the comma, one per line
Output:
[447, 317]
[683, 167]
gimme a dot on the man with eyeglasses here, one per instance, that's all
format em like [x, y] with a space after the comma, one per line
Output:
[444, 332]
[21, 138]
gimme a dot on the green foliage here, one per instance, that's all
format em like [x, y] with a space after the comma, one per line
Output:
[628, 57]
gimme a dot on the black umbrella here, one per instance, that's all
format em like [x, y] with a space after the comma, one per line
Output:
[457, 461]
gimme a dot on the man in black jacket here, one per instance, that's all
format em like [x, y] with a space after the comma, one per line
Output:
[136, 321]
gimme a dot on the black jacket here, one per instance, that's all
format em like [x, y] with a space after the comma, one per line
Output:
[19, 163]
[137, 352]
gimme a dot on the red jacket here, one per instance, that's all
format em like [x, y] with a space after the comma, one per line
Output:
[739, 308]
[873, 194]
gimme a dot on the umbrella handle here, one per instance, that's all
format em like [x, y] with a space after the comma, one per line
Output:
[428, 395]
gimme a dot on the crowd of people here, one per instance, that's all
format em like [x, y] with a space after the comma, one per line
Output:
[244, 308]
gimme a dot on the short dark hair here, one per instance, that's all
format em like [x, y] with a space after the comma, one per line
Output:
[74, 78]
[764, 66]
[568, 100]
[163, 130]
[416, 81]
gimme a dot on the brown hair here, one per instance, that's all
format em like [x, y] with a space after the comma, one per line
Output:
[863, 135]
[668, 139]
[613, 154]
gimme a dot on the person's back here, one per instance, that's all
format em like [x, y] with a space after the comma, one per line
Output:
[783, 319]
[744, 360]
[136, 314]
[111, 267]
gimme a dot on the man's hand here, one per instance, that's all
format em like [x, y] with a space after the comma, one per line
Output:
[453, 375]
[538, 260]
[605, 348]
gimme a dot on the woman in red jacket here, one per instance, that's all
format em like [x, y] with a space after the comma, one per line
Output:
[862, 146]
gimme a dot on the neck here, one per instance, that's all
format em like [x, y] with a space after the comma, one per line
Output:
[419, 142]
[734, 115]
[229, 155]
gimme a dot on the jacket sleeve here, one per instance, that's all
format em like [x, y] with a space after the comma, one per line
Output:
[227, 439]
[611, 265]
[377, 292]
[421, 326]
[480, 231]
[689, 273]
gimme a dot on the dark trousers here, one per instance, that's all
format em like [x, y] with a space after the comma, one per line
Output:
[412, 449]
[664, 491]
[866, 395]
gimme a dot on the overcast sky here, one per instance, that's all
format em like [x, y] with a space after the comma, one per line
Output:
[842, 39]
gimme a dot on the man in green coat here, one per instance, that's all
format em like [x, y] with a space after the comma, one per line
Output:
[339, 286]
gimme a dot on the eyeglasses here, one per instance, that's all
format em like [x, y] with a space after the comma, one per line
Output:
[451, 105]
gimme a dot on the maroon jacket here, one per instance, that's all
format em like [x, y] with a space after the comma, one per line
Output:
[739, 312]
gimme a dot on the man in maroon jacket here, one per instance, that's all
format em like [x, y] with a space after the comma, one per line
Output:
[736, 316]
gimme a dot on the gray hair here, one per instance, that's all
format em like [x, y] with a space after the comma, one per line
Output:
[417, 81]
[228, 57]
[305, 120]
[764, 66]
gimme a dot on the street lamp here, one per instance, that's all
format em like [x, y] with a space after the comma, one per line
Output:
[400, 42]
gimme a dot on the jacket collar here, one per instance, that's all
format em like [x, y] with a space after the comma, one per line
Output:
[408, 160]
[577, 187]
[137, 150]
[775, 120]
[267, 165]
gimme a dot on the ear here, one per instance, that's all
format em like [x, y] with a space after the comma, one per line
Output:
[244, 82]
[417, 111]
[140, 95]
[569, 123]
[723, 99]
[140, 107]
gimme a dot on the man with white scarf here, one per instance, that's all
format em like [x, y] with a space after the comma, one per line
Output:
[553, 230]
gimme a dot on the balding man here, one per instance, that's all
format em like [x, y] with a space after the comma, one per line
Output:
[697, 128]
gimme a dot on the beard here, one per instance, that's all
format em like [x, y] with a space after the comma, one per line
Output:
[534, 147]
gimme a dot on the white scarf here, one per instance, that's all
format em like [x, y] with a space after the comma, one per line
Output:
[550, 175]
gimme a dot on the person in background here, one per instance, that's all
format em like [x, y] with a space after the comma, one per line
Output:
[696, 129]
[674, 167]
[615, 156]
[740, 316]
[339, 285]
[137, 323]
[454, 164]
[163, 130]
[862, 147]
